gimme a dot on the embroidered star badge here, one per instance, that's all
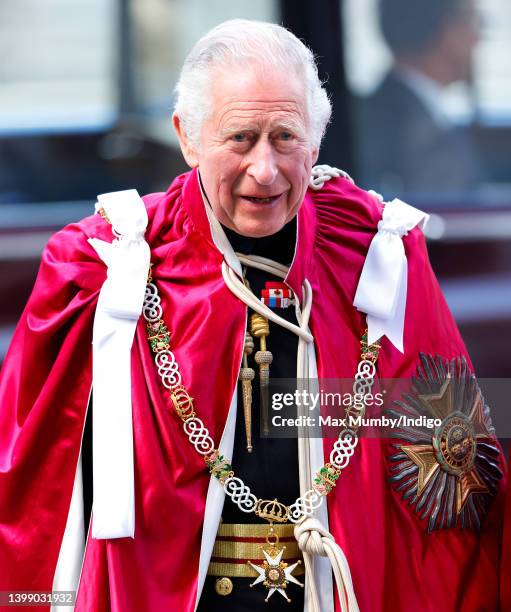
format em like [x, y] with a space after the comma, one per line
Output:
[449, 473]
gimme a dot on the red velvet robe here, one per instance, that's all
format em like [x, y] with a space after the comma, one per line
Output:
[46, 382]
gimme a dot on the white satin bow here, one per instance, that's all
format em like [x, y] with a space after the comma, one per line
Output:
[381, 291]
[119, 307]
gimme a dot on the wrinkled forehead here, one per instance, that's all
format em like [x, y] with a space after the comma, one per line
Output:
[255, 92]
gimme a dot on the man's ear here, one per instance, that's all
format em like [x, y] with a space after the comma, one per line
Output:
[314, 155]
[187, 149]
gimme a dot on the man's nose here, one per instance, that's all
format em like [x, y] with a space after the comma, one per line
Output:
[263, 166]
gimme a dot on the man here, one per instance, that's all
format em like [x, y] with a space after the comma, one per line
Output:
[181, 508]
[407, 138]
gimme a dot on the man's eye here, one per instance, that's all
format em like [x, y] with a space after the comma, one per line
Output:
[239, 137]
[285, 136]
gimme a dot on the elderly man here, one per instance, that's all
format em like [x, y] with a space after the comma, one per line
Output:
[253, 258]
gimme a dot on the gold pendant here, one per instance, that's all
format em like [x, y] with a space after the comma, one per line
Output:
[274, 573]
[260, 328]
[247, 376]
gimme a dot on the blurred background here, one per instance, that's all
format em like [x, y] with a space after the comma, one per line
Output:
[422, 110]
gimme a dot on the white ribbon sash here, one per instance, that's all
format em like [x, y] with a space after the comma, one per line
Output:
[381, 291]
[119, 307]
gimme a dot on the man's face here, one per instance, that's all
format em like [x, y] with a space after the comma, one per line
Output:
[459, 40]
[256, 153]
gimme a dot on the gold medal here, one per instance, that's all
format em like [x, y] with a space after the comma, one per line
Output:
[274, 573]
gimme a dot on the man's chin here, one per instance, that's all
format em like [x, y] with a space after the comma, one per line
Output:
[257, 228]
[260, 222]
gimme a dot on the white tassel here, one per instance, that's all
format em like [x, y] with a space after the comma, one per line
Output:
[314, 540]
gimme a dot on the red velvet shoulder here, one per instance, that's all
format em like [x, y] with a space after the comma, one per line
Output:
[349, 215]
[341, 204]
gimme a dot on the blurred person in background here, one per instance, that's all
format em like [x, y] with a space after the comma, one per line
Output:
[146, 302]
[407, 140]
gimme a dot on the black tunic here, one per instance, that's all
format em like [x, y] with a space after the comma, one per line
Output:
[271, 470]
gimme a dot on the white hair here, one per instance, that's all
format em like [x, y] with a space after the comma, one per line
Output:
[242, 42]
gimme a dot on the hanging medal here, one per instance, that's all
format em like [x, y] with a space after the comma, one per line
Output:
[274, 573]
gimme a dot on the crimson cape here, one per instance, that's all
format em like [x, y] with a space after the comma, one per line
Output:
[46, 382]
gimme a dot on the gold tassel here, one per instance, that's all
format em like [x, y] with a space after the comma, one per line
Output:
[246, 376]
[260, 328]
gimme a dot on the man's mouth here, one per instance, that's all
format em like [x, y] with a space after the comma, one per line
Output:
[266, 200]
